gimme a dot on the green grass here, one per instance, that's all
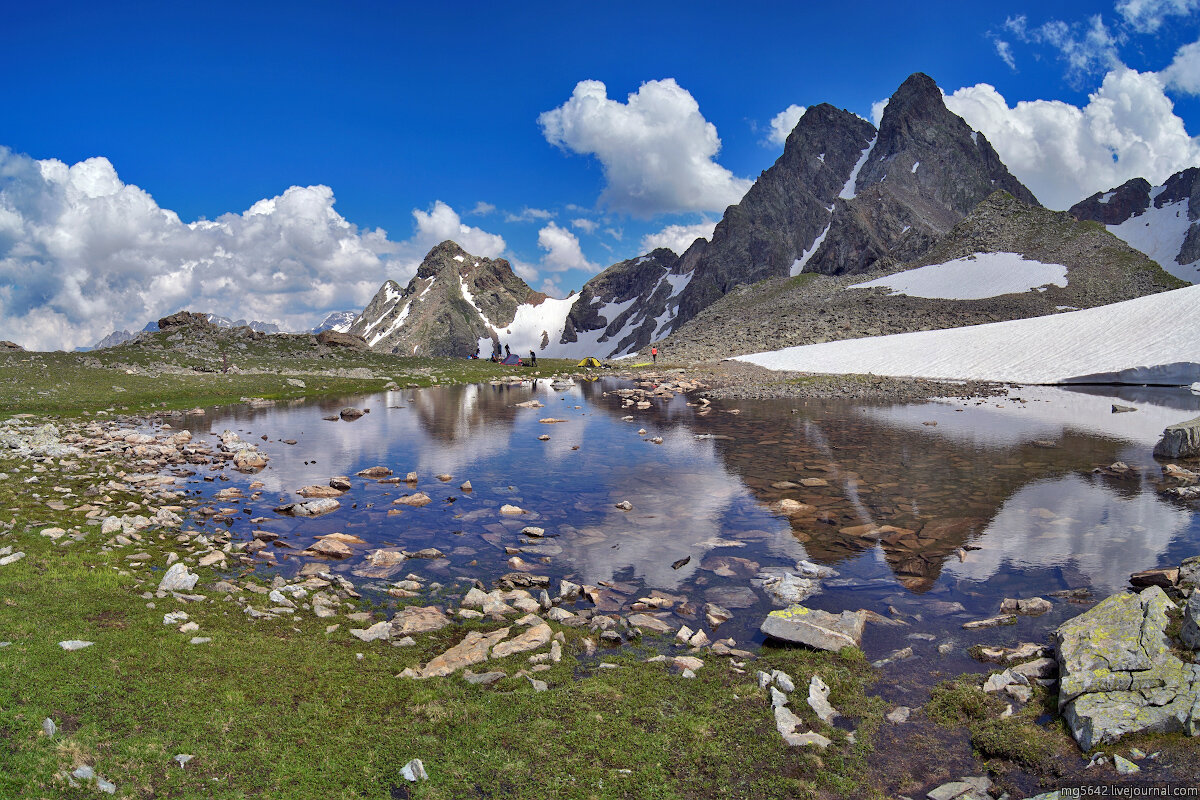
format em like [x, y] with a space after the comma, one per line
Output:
[222, 369]
[279, 709]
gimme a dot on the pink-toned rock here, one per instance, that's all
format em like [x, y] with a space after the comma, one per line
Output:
[473, 649]
[319, 491]
[531, 639]
[414, 619]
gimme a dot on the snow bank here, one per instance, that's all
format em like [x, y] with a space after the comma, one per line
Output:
[1158, 335]
[973, 277]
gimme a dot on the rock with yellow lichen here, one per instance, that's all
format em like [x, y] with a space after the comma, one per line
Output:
[820, 629]
[1118, 674]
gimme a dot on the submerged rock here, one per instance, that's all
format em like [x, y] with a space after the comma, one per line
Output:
[1118, 674]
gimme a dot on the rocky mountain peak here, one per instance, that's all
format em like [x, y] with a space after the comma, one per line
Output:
[1115, 206]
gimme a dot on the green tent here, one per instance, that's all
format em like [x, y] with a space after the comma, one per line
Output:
[589, 362]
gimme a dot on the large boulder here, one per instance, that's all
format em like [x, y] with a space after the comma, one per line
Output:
[815, 628]
[1118, 674]
[1181, 440]
[184, 319]
[331, 338]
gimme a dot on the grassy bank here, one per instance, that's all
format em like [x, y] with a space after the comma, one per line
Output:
[280, 708]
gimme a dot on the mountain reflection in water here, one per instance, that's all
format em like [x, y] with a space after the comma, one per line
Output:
[893, 497]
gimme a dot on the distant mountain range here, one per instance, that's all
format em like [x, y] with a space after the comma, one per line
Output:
[119, 337]
[844, 199]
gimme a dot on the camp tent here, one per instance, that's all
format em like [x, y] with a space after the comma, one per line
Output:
[512, 360]
[589, 362]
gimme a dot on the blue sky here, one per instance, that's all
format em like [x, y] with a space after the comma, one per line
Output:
[395, 107]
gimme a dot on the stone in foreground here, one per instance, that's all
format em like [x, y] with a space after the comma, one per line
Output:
[820, 629]
[178, 579]
[1119, 676]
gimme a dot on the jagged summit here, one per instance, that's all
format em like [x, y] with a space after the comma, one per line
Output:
[847, 198]
[454, 304]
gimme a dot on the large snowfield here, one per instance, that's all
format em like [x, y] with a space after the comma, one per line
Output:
[973, 277]
[1153, 339]
[1159, 233]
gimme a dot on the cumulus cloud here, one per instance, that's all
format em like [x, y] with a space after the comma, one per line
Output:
[1065, 153]
[678, 237]
[782, 124]
[656, 149]
[83, 253]
[1147, 16]
[1183, 73]
[585, 225]
[562, 250]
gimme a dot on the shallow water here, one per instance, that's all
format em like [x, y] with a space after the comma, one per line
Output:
[1009, 476]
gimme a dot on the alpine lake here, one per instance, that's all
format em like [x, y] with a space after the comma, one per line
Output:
[928, 514]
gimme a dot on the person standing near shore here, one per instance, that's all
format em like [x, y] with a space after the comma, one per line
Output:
[654, 354]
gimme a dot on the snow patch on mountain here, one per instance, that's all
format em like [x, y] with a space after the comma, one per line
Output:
[973, 277]
[848, 191]
[1159, 233]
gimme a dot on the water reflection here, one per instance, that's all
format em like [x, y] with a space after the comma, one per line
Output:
[890, 497]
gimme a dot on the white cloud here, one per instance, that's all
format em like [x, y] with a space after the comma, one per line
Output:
[1004, 50]
[562, 250]
[678, 237]
[530, 215]
[82, 254]
[616, 233]
[441, 222]
[585, 225]
[1183, 74]
[1088, 47]
[481, 209]
[877, 110]
[782, 124]
[1064, 153]
[1147, 16]
[656, 149]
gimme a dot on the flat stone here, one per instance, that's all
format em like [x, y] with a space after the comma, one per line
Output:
[483, 678]
[899, 715]
[380, 630]
[819, 629]
[1166, 578]
[330, 548]
[531, 639]
[1125, 766]
[991, 622]
[74, 644]
[975, 788]
[415, 500]
[319, 491]
[415, 619]
[647, 622]
[1031, 606]
[473, 649]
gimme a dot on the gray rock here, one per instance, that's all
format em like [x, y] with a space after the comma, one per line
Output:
[1125, 766]
[106, 786]
[1181, 440]
[414, 771]
[178, 579]
[1190, 632]
[778, 698]
[1118, 674]
[818, 699]
[899, 715]
[182, 759]
[74, 644]
[84, 773]
[483, 678]
[973, 788]
[820, 629]
[49, 728]
[783, 680]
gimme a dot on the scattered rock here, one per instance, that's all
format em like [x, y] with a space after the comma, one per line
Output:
[414, 771]
[1181, 440]
[178, 579]
[818, 699]
[74, 644]
[899, 715]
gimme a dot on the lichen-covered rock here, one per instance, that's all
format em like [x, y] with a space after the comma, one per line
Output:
[1118, 675]
[1181, 440]
[820, 629]
[1190, 633]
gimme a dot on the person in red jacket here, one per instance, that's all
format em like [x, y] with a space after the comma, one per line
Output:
[654, 354]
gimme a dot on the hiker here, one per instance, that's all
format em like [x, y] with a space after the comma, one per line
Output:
[507, 353]
[476, 356]
[532, 359]
[654, 354]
